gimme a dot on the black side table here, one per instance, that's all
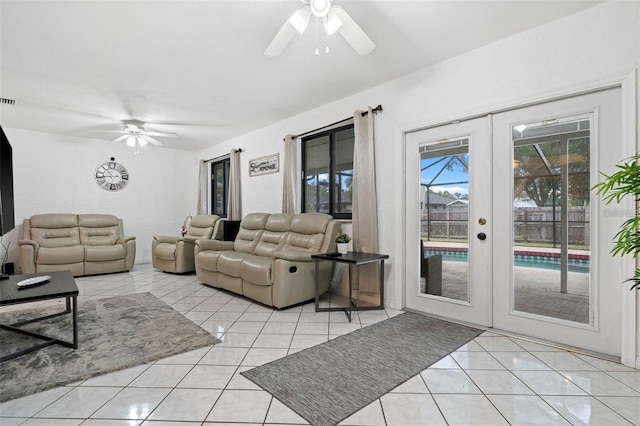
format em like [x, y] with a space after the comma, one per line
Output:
[351, 258]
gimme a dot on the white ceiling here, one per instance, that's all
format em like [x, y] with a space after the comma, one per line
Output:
[196, 68]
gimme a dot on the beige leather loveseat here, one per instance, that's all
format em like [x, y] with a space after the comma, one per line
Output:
[85, 244]
[175, 254]
[270, 259]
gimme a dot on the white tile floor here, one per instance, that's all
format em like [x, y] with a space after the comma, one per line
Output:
[493, 380]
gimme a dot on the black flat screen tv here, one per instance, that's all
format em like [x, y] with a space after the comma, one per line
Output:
[7, 217]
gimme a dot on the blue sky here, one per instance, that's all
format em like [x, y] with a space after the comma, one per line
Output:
[447, 179]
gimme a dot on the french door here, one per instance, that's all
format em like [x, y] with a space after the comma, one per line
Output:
[449, 243]
[510, 234]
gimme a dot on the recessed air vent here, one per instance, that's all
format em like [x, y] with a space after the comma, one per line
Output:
[6, 101]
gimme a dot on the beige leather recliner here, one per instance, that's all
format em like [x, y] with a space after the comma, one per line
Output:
[175, 254]
[270, 259]
[85, 244]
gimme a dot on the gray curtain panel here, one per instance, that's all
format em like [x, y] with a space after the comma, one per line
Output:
[290, 171]
[234, 207]
[365, 212]
[201, 208]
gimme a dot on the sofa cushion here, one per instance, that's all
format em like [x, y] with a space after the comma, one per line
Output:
[255, 221]
[230, 262]
[53, 230]
[98, 229]
[307, 232]
[208, 260]
[56, 237]
[310, 223]
[251, 229]
[257, 270]
[269, 242]
[274, 235]
[60, 255]
[246, 240]
[201, 226]
[104, 253]
[54, 220]
[303, 242]
[165, 251]
[279, 222]
[97, 220]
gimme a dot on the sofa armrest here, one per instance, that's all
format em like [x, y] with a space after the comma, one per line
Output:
[293, 256]
[35, 245]
[125, 240]
[130, 244]
[204, 244]
[190, 239]
[27, 251]
[165, 239]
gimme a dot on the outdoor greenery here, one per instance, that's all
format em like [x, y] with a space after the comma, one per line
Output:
[538, 171]
[624, 182]
[447, 194]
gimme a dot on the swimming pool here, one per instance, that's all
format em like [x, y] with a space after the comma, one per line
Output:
[551, 261]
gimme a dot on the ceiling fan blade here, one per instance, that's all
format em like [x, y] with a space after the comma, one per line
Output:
[156, 124]
[151, 140]
[106, 131]
[281, 40]
[162, 134]
[120, 139]
[352, 33]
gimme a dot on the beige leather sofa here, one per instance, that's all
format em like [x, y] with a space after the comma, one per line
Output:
[270, 259]
[85, 244]
[175, 254]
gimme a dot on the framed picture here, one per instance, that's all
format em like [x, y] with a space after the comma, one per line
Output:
[264, 165]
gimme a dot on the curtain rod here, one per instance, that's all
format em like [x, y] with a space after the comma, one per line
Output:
[374, 110]
[222, 156]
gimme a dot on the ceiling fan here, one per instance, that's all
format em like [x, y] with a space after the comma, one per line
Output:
[135, 134]
[334, 19]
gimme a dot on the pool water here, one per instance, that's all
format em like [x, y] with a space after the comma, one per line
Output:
[526, 260]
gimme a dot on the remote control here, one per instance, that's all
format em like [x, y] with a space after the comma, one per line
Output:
[33, 281]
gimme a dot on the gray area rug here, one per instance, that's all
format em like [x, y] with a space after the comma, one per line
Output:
[113, 333]
[327, 383]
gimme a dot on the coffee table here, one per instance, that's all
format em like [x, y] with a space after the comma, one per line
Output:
[60, 285]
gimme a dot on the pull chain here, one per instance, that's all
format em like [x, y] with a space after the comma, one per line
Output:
[317, 51]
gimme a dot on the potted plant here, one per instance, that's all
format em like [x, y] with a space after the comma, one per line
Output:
[342, 242]
[626, 181]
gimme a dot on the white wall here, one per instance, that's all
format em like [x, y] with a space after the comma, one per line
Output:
[54, 174]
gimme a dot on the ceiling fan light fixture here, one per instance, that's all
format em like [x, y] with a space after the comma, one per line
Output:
[131, 141]
[141, 141]
[334, 19]
[320, 7]
[331, 22]
[300, 19]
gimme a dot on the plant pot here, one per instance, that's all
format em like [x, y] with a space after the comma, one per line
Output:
[343, 248]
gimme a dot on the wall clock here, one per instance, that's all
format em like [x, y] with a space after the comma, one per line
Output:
[111, 176]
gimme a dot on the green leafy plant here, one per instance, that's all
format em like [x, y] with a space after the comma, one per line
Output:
[343, 238]
[624, 182]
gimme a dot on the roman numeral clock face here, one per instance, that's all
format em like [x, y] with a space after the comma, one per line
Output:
[112, 176]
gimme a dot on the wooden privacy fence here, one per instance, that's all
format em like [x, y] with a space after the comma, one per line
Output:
[531, 225]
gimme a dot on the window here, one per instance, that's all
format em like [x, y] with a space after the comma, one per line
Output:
[327, 170]
[220, 186]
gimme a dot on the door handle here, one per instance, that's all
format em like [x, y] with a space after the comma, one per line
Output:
[482, 236]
